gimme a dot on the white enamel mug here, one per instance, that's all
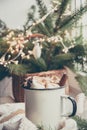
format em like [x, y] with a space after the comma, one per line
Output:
[46, 107]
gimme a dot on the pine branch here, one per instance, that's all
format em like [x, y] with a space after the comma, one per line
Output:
[3, 25]
[41, 20]
[70, 20]
[36, 65]
[61, 60]
[43, 11]
[42, 29]
[60, 11]
[30, 17]
[42, 8]
[19, 69]
[81, 123]
[78, 40]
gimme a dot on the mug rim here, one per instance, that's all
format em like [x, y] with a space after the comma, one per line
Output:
[43, 89]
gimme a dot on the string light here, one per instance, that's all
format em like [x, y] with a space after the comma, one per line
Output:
[17, 42]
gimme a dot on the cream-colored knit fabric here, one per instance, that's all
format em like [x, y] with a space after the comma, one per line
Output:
[26, 124]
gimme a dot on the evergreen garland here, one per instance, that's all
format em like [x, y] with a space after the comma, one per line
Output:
[53, 56]
[42, 11]
[60, 12]
[81, 123]
[70, 20]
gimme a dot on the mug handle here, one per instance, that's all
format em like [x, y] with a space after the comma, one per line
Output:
[74, 105]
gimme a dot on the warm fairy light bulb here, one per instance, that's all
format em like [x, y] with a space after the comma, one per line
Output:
[9, 62]
[9, 56]
[43, 40]
[28, 57]
[33, 42]
[48, 40]
[18, 41]
[13, 43]
[56, 40]
[28, 33]
[12, 51]
[21, 46]
[15, 62]
[22, 54]
[12, 33]
[7, 38]
[34, 24]
[5, 65]
[13, 38]
[3, 59]
[19, 35]
[65, 50]
[17, 50]
[25, 41]
[22, 38]
[1, 63]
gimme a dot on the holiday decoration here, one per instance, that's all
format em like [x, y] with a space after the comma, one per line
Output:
[45, 43]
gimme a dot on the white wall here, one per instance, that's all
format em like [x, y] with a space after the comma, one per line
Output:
[14, 12]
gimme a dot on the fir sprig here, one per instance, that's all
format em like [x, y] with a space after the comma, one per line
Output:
[60, 12]
[70, 20]
[43, 11]
[81, 123]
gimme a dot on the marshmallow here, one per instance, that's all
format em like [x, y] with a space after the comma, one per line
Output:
[36, 83]
[44, 82]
